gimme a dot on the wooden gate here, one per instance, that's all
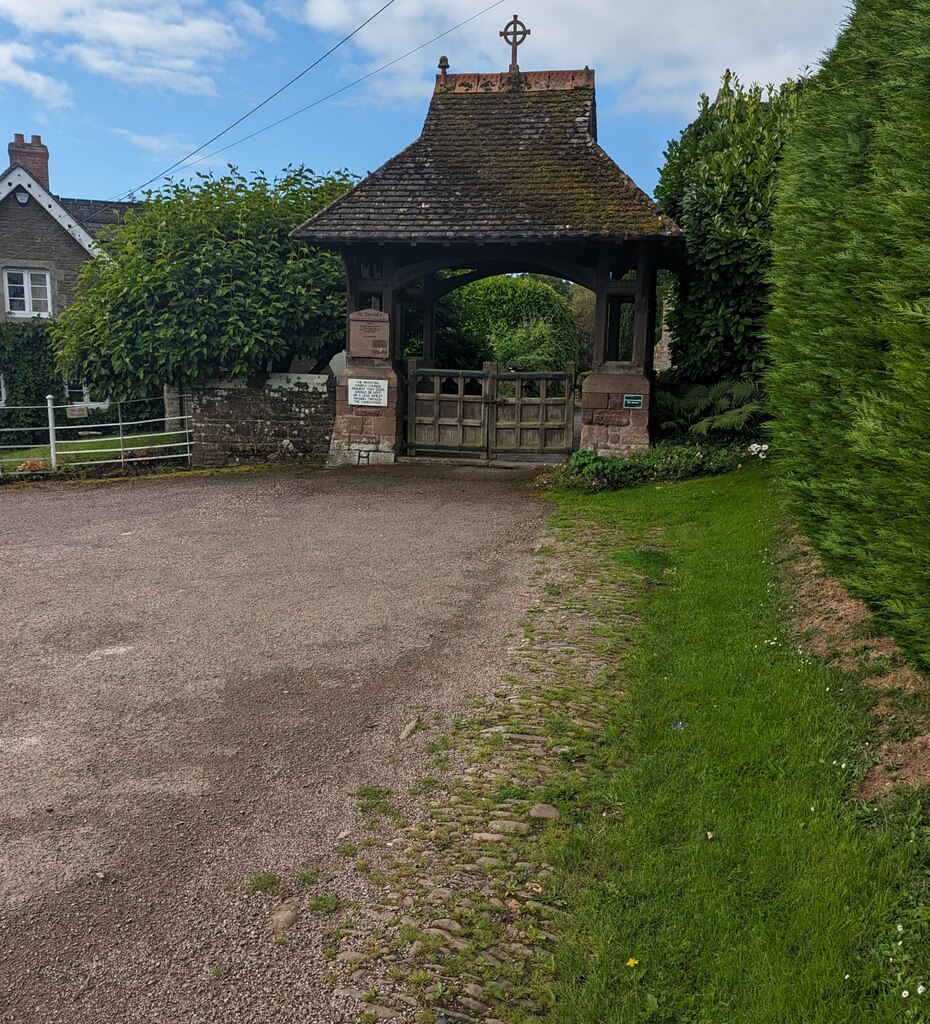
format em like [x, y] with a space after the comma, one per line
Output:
[490, 414]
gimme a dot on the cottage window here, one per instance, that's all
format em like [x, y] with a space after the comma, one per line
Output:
[78, 393]
[28, 292]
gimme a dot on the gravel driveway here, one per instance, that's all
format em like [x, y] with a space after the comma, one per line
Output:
[197, 674]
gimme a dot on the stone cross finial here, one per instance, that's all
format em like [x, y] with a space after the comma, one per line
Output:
[515, 33]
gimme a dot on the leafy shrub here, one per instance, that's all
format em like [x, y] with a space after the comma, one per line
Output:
[527, 323]
[718, 183]
[665, 462]
[850, 383]
[206, 277]
[529, 348]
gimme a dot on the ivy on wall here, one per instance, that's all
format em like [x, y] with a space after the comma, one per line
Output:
[27, 364]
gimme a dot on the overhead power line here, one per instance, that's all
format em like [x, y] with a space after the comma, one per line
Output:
[182, 164]
[266, 100]
[342, 89]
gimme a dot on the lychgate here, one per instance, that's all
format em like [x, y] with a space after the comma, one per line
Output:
[506, 177]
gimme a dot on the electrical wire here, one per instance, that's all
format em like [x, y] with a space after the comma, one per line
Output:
[266, 100]
[344, 88]
[177, 164]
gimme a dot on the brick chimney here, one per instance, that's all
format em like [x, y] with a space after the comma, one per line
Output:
[31, 156]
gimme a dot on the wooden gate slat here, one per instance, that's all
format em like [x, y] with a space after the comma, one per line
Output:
[489, 424]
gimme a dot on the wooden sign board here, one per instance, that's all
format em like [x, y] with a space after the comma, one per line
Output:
[364, 391]
[370, 334]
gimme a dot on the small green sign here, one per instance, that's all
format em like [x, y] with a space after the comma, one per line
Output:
[633, 401]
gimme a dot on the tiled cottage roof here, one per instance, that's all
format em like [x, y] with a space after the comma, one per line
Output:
[96, 214]
[498, 163]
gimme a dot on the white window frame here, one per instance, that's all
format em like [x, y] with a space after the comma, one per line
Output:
[27, 289]
[85, 401]
[2, 391]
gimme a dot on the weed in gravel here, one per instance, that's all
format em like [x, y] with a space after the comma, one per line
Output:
[265, 882]
[309, 877]
[347, 850]
[373, 800]
[324, 903]
[221, 970]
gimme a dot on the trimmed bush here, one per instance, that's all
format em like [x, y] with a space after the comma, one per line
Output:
[528, 324]
[850, 330]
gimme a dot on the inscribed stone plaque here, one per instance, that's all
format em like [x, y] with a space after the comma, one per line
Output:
[370, 333]
[364, 391]
[632, 401]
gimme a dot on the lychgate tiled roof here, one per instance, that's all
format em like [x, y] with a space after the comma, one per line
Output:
[496, 162]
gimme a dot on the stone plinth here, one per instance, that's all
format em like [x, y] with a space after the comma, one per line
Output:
[610, 422]
[367, 434]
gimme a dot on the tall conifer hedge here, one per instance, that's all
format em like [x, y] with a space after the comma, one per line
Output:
[850, 330]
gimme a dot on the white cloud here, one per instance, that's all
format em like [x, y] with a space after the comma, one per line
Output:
[171, 144]
[45, 89]
[654, 55]
[252, 20]
[174, 45]
[176, 75]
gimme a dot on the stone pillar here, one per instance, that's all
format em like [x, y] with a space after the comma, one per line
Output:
[366, 434]
[615, 412]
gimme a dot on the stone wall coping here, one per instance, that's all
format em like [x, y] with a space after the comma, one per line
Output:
[275, 382]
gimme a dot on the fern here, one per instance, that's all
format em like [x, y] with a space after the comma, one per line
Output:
[735, 408]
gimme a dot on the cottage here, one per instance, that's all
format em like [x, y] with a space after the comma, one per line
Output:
[44, 241]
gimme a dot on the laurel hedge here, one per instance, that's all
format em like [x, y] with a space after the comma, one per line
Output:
[718, 183]
[850, 328]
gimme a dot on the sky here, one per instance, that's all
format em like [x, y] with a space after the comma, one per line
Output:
[120, 90]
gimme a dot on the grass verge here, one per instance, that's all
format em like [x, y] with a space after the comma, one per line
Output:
[718, 870]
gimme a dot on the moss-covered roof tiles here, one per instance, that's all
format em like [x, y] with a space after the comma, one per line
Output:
[494, 163]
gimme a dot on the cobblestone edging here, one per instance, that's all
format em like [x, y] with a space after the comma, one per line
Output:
[464, 910]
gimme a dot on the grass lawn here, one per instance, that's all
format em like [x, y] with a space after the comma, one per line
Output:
[94, 449]
[732, 879]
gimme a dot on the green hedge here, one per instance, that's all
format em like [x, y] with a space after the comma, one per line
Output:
[850, 331]
[718, 183]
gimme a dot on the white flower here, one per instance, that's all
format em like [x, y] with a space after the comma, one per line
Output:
[845, 977]
[905, 994]
[921, 989]
[900, 927]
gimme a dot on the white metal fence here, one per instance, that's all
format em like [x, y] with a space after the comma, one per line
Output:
[56, 438]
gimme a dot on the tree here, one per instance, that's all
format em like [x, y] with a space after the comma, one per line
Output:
[205, 278]
[718, 183]
[527, 323]
[850, 381]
